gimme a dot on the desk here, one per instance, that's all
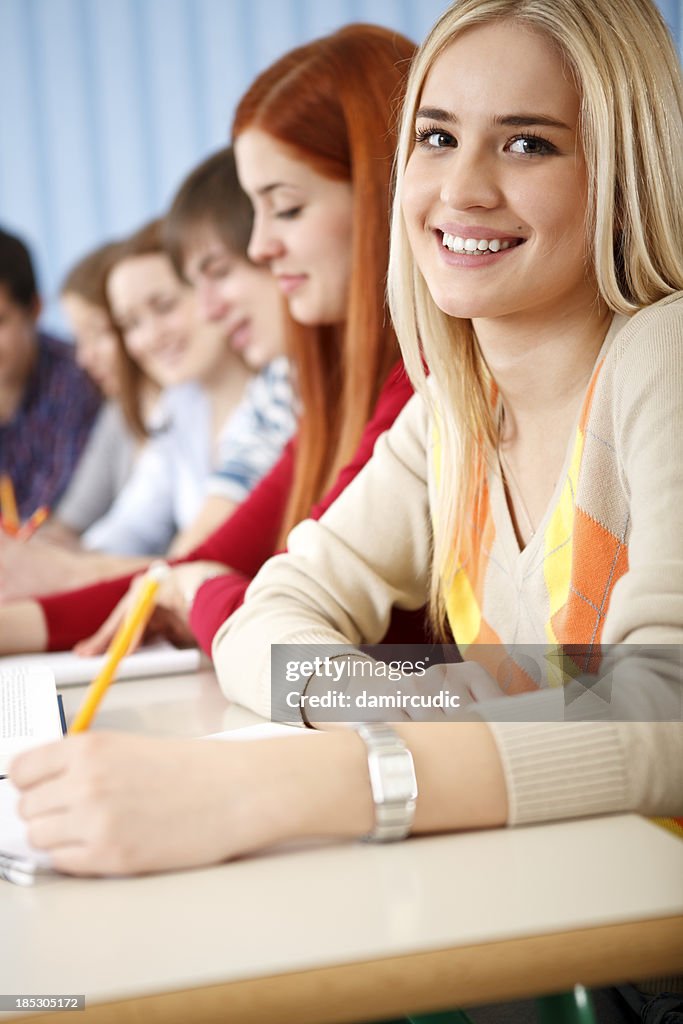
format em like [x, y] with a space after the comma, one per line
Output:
[345, 932]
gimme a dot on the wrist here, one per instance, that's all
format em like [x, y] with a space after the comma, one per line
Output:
[322, 787]
[193, 576]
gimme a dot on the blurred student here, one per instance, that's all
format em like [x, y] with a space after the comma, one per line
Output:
[47, 403]
[206, 233]
[322, 226]
[204, 414]
[130, 398]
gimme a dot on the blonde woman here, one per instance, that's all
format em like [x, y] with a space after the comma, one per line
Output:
[537, 268]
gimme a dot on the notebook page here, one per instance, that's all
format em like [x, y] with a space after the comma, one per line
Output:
[29, 712]
[69, 669]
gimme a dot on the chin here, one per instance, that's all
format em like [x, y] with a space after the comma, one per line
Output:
[303, 314]
[464, 307]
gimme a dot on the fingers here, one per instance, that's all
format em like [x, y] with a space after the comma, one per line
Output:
[34, 766]
[481, 685]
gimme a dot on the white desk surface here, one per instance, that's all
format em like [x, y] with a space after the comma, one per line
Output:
[593, 900]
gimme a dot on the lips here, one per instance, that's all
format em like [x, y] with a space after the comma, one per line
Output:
[290, 282]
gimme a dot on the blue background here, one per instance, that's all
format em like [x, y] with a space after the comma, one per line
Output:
[105, 105]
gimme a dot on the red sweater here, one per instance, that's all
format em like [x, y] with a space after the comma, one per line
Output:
[243, 543]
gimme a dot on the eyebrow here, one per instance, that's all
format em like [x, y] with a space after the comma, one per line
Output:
[267, 189]
[507, 120]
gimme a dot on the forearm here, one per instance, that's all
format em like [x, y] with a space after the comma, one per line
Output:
[57, 532]
[323, 786]
[22, 628]
[214, 512]
[87, 567]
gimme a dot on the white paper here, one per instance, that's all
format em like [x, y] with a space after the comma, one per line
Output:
[29, 712]
[71, 670]
[262, 731]
[13, 841]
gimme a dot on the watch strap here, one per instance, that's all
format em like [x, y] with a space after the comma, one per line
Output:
[392, 780]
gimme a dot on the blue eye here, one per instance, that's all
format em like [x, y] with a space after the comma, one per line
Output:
[531, 145]
[435, 138]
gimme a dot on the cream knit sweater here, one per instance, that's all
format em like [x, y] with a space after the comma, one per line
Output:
[371, 550]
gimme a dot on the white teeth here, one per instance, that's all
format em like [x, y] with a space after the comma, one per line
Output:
[475, 245]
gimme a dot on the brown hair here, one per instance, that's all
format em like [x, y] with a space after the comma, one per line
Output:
[210, 197]
[332, 102]
[88, 280]
[88, 277]
[146, 241]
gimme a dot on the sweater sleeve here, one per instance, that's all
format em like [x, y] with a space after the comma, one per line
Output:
[141, 520]
[339, 581]
[102, 470]
[72, 615]
[242, 546]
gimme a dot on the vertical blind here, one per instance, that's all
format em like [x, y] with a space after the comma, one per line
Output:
[105, 105]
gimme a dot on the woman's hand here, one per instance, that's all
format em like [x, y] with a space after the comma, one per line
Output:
[170, 618]
[440, 693]
[110, 803]
[107, 803]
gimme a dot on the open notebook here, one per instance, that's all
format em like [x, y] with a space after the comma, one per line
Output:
[29, 710]
[159, 659]
[29, 714]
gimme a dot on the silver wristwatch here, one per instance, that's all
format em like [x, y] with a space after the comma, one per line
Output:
[393, 782]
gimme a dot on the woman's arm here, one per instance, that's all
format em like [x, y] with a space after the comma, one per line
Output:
[23, 629]
[82, 797]
[342, 575]
[102, 471]
[254, 528]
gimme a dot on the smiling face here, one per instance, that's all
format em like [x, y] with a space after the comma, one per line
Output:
[96, 342]
[156, 315]
[302, 227]
[494, 192]
[244, 300]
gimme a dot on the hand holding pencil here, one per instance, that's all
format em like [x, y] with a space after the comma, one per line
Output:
[133, 624]
[9, 513]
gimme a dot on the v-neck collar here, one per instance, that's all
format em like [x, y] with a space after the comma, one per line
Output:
[523, 560]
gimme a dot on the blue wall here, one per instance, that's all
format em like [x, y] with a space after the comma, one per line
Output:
[106, 104]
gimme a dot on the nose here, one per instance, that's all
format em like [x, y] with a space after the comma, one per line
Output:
[264, 245]
[470, 180]
[211, 304]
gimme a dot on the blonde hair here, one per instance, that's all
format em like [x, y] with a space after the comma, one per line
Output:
[628, 77]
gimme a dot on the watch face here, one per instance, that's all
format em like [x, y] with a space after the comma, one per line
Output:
[393, 778]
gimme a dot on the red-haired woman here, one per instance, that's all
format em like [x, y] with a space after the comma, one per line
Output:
[323, 116]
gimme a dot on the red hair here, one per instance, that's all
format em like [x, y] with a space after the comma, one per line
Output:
[334, 103]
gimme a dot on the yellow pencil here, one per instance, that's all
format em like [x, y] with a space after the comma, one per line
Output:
[8, 505]
[33, 523]
[136, 619]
